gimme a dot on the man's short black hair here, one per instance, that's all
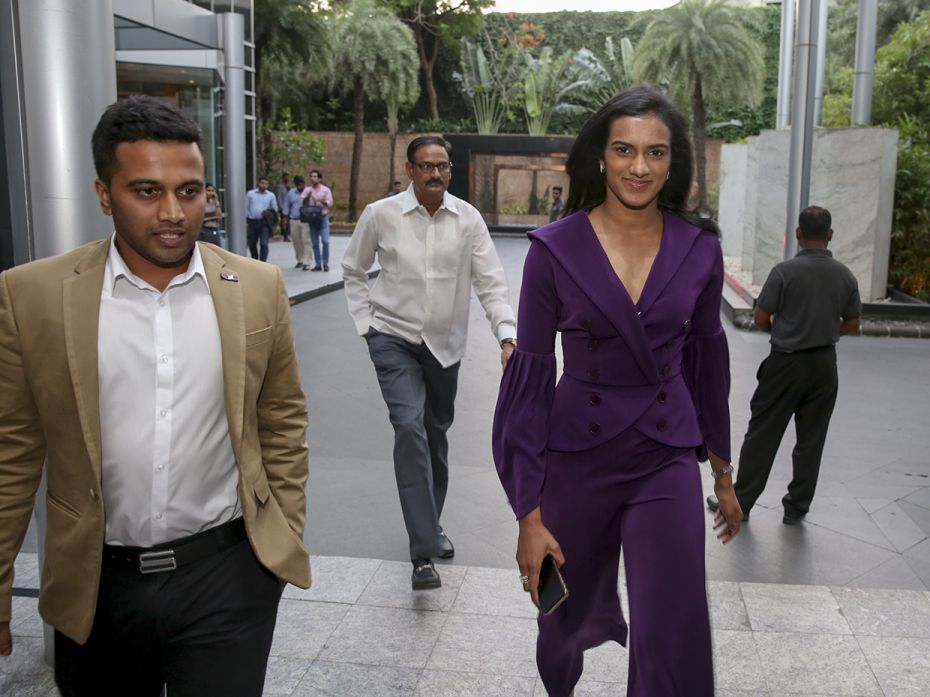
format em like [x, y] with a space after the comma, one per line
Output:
[138, 117]
[298, 180]
[815, 222]
[420, 141]
[557, 188]
[317, 173]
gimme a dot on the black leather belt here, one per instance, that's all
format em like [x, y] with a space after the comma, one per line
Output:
[186, 550]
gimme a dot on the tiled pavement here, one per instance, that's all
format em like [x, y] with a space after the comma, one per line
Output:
[835, 607]
[361, 632]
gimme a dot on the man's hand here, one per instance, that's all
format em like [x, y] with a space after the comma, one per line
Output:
[6, 639]
[506, 351]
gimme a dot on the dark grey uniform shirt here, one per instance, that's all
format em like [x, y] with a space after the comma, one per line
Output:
[809, 296]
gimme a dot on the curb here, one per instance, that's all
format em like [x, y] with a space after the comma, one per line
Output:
[303, 296]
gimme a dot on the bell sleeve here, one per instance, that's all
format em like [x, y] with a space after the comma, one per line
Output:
[706, 366]
[521, 418]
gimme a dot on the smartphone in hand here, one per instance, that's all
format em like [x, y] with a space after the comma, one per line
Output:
[552, 588]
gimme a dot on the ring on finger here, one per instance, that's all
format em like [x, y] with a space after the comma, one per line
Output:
[524, 579]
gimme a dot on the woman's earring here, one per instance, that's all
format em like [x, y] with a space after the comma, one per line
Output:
[601, 167]
[668, 175]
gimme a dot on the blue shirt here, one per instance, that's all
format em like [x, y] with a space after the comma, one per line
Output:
[292, 203]
[256, 202]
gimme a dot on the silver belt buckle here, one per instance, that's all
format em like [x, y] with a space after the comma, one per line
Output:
[156, 562]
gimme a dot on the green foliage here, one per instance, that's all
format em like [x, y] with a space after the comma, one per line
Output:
[547, 85]
[909, 268]
[606, 74]
[481, 87]
[288, 149]
[700, 47]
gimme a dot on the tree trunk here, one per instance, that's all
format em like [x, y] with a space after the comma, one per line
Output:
[359, 105]
[427, 63]
[700, 143]
[393, 148]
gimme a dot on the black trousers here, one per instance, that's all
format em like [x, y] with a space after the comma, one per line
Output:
[257, 234]
[203, 630]
[802, 385]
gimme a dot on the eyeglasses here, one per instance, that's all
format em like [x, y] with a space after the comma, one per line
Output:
[428, 167]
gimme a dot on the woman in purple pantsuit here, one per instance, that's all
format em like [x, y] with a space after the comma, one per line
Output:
[607, 460]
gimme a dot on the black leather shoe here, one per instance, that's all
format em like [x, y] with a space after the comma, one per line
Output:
[446, 548]
[791, 519]
[713, 505]
[424, 575]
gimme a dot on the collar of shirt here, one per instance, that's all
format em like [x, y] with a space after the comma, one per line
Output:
[815, 251]
[116, 269]
[410, 202]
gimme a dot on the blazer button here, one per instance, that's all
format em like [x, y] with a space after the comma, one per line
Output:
[666, 371]
[662, 425]
[639, 313]
[686, 326]
[586, 324]
[661, 397]
[594, 373]
[595, 428]
[595, 399]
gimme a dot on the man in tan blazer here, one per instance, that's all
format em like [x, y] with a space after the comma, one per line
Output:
[158, 378]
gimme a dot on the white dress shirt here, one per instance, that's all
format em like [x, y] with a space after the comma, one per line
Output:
[168, 466]
[428, 266]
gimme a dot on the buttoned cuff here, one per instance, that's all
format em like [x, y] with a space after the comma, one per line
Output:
[362, 325]
[506, 330]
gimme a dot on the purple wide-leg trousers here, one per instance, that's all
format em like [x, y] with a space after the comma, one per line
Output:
[642, 498]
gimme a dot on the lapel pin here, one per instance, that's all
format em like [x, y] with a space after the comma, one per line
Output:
[233, 278]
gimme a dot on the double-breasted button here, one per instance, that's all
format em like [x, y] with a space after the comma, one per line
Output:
[666, 371]
[639, 313]
[594, 373]
[686, 326]
[595, 399]
[595, 428]
[662, 425]
[661, 397]
[586, 325]
[593, 344]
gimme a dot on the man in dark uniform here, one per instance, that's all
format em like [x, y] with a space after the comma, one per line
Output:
[807, 303]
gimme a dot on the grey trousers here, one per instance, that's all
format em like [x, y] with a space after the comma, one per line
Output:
[420, 397]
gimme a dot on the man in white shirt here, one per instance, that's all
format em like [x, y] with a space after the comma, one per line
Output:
[158, 377]
[433, 248]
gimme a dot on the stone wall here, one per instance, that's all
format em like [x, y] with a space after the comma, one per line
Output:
[852, 175]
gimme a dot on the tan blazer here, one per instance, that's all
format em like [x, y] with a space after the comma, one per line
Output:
[49, 408]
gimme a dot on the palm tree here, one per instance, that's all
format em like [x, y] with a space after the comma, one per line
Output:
[700, 47]
[375, 58]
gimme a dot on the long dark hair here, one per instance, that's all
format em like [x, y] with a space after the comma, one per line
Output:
[588, 187]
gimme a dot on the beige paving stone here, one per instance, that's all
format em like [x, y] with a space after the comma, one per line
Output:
[902, 665]
[26, 570]
[434, 683]
[336, 579]
[589, 688]
[25, 618]
[384, 636]
[302, 628]
[814, 664]
[25, 673]
[891, 613]
[390, 587]
[736, 661]
[790, 608]
[484, 644]
[324, 679]
[727, 609]
[493, 592]
[607, 663]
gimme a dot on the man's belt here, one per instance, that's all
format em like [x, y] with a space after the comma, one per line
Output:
[186, 550]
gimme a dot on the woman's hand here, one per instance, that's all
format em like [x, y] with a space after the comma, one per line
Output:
[533, 544]
[729, 516]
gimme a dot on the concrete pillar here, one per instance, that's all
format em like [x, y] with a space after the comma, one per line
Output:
[68, 77]
[821, 61]
[785, 52]
[865, 63]
[802, 119]
[233, 33]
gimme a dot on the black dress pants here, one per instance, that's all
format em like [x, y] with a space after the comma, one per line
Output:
[803, 385]
[204, 630]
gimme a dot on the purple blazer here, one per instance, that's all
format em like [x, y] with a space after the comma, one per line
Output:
[660, 365]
